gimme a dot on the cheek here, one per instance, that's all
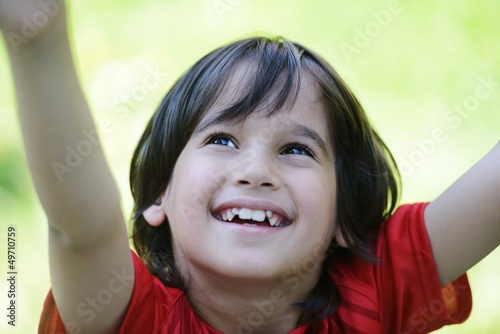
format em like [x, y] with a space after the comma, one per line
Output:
[315, 190]
[192, 183]
[317, 197]
[188, 198]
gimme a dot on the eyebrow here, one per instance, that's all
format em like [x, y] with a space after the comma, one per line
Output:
[214, 120]
[301, 130]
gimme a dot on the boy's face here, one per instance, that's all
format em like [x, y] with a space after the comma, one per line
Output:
[232, 181]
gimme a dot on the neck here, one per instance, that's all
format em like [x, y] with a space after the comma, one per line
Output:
[249, 306]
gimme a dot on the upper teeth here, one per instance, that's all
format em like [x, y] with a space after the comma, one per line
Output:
[249, 214]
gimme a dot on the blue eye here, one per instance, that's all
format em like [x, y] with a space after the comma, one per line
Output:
[221, 139]
[297, 149]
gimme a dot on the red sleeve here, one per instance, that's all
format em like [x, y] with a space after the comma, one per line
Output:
[401, 293]
[50, 321]
[149, 303]
[410, 295]
[141, 319]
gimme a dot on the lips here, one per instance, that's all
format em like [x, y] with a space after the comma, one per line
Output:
[251, 217]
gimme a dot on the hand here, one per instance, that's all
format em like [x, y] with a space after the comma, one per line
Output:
[23, 21]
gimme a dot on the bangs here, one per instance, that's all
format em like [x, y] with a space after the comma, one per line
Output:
[255, 75]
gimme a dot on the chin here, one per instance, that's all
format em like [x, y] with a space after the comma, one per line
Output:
[245, 268]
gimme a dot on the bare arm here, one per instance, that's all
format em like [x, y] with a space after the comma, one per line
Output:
[89, 250]
[464, 222]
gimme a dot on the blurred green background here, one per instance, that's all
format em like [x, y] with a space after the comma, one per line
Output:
[412, 64]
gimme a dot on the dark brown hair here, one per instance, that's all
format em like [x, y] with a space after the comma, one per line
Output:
[367, 178]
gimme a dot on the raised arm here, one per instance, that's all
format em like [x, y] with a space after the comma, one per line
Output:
[88, 242]
[464, 222]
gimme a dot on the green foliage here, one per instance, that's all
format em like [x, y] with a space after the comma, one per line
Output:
[14, 180]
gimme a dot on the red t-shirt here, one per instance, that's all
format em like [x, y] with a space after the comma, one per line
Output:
[400, 294]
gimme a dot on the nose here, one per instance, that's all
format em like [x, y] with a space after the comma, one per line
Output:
[256, 169]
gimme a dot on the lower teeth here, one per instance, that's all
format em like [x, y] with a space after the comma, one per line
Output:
[249, 224]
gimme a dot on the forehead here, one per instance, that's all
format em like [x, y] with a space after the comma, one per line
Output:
[303, 103]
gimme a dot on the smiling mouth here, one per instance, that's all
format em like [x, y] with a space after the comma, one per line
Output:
[249, 217]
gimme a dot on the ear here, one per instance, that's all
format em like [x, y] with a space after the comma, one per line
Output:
[339, 237]
[155, 214]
